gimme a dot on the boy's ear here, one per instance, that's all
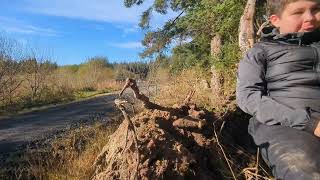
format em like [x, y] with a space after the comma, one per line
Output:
[274, 19]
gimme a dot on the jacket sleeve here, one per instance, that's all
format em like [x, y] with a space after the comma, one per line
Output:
[252, 95]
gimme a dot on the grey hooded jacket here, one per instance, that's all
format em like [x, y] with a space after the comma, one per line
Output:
[279, 80]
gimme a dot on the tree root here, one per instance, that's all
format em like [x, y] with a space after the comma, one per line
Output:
[176, 142]
[120, 105]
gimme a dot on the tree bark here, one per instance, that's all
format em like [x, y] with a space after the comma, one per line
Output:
[215, 45]
[215, 49]
[246, 29]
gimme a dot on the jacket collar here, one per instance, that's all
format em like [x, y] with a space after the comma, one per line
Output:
[302, 38]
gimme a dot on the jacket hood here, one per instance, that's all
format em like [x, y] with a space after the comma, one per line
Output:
[271, 33]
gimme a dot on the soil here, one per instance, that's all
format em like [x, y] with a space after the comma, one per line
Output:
[175, 143]
[179, 142]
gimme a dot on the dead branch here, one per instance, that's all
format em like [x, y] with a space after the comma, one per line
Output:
[249, 175]
[131, 83]
[257, 163]
[224, 154]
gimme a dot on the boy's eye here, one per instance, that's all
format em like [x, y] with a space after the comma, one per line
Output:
[316, 10]
[297, 12]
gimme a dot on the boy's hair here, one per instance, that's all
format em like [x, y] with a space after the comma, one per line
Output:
[277, 6]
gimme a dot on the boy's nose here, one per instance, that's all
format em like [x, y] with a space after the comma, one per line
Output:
[309, 16]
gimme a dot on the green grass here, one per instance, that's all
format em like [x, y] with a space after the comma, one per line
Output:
[86, 94]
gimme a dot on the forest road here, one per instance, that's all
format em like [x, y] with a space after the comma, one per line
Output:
[22, 129]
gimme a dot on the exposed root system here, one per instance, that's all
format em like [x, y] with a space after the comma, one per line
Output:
[177, 142]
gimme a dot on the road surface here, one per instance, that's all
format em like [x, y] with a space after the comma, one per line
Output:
[22, 129]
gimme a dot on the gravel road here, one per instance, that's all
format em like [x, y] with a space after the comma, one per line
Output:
[21, 129]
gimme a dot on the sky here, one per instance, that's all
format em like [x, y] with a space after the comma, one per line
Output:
[71, 31]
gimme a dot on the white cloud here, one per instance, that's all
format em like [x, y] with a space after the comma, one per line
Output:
[112, 11]
[97, 10]
[127, 45]
[133, 29]
[128, 29]
[11, 25]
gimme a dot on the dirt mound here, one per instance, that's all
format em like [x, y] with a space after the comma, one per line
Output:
[170, 146]
[177, 142]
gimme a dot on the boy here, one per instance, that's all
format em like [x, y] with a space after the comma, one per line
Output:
[279, 85]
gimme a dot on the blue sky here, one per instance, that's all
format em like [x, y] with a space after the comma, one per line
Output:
[70, 31]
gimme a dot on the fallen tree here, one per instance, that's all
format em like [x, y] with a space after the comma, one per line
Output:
[179, 142]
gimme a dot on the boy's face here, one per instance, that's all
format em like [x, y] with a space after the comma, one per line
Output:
[299, 16]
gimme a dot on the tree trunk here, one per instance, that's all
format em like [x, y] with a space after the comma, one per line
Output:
[246, 29]
[215, 49]
[215, 45]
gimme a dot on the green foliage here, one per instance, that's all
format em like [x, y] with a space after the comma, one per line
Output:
[145, 19]
[161, 61]
[69, 68]
[161, 6]
[89, 93]
[229, 57]
[213, 17]
[190, 55]
[137, 70]
[189, 35]
[129, 3]
[198, 21]
[99, 61]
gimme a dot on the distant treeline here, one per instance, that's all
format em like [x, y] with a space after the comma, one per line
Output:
[27, 80]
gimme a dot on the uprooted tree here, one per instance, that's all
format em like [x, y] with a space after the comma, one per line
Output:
[178, 142]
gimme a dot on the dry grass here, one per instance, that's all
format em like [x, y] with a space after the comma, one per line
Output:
[219, 98]
[172, 89]
[70, 156]
[57, 86]
[112, 85]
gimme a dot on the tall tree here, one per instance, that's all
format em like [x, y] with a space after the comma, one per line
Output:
[207, 24]
[207, 33]
[246, 29]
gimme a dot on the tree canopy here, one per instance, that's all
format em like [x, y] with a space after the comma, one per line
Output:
[191, 31]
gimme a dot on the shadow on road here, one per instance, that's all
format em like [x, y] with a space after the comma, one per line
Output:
[22, 129]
